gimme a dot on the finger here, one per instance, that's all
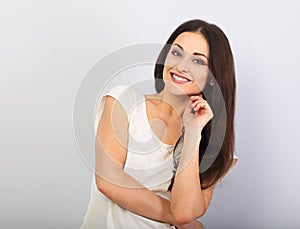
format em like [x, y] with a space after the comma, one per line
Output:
[201, 106]
[194, 103]
[200, 96]
[197, 102]
[195, 97]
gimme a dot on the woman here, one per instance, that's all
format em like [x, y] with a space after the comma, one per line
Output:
[137, 183]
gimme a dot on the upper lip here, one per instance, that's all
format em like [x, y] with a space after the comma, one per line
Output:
[180, 75]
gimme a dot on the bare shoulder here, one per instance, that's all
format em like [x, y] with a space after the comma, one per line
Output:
[112, 131]
[111, 104]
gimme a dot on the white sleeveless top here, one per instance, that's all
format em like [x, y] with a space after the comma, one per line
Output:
[148, 160]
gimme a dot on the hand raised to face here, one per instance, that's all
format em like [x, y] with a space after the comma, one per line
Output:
[197, 112]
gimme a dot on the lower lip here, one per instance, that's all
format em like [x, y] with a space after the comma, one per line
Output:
[177, 81]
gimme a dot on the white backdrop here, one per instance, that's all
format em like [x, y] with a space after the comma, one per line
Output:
[46, 48]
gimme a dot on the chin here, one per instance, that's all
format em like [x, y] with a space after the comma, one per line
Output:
[181, 90]
[175, 90]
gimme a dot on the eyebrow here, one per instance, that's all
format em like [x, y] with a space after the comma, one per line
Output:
[195, 53]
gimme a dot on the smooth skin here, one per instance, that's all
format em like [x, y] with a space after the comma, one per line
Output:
[167, 113]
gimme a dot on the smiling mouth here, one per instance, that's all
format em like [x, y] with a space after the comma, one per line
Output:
[179, 79]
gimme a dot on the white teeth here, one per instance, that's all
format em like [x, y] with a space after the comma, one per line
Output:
[179, 78]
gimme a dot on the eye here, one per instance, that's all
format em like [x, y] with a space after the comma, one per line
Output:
[176, 53]
[199, 61]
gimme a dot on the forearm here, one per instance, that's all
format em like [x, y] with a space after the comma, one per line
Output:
[187, 198]
[138, 200]
[127, 192]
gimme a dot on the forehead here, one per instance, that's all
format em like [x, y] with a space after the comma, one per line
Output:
[193, 42]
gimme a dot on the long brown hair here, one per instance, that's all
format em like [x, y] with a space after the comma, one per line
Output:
[221, 66]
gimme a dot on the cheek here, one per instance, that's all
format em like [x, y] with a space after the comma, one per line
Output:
[200, 76]
[170, 61]
[165, 72]
[199, 84]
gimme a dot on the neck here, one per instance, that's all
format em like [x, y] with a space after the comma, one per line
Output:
[171, 102]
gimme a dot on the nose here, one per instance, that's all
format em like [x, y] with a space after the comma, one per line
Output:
[182, 66]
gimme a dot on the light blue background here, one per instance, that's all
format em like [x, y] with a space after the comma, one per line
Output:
[46, 48]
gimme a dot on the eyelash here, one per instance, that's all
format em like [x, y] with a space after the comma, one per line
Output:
[196, 61]
[199, 61]
[176, 53]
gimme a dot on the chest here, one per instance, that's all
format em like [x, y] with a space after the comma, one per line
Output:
[166, 128]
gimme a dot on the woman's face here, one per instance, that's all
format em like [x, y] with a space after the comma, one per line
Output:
[186, 66]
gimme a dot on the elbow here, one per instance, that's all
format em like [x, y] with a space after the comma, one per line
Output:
[103, 187]
[181, 220]
[182, 216]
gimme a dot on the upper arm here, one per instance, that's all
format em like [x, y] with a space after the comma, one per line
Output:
[112, 130]
[111, 141]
